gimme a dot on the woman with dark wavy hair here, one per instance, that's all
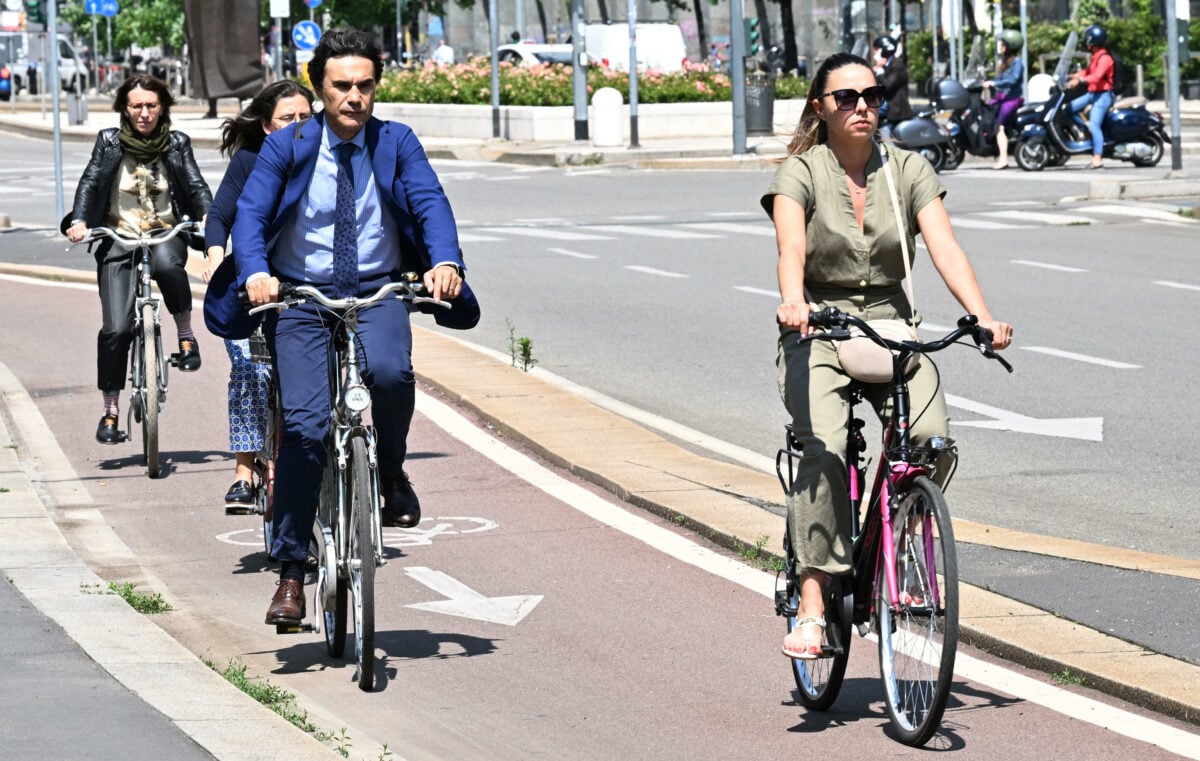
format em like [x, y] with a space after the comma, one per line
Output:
[141, 176]
[275, 107]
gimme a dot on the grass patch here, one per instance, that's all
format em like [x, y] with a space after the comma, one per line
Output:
[1067, 677]
[140, 601]
[755, 556]
[276, 698]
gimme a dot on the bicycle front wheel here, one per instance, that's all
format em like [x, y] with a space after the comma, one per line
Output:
[151, 396]
[918, 638]
[362, 562]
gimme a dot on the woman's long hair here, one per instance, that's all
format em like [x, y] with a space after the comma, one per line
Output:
[1006, 59]
[811, 129]
[246, 129]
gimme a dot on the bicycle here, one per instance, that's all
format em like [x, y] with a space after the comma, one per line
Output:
[905, 589]
[263, 469]
[147, 367]
[347, 533]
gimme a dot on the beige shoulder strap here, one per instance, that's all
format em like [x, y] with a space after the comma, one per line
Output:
[908, 277]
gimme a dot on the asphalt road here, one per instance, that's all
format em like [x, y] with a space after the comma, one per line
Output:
[633, 643]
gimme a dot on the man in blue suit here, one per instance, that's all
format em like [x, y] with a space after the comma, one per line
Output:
[297, 222]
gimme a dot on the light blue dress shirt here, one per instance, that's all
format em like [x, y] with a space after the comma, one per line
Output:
[304, 251]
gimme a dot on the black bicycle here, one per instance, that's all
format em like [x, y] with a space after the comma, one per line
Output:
[903, 585]
[147, 364]
[347, 542]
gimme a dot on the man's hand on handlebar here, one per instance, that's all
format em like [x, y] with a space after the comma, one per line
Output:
[263, 290]
[443, 281]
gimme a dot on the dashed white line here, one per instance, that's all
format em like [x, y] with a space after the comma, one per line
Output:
[733, 227]
[473, 238]
[1081, 357]
[1138, 212]
[575, 254]
[983, 224]
[1047, 266]
[639, 217]
[535, 232]
[650, 232]
[1182, 286]
[1045, 217]
[757, 291]
[652, 271]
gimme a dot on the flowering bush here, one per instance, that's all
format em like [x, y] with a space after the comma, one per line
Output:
[550, 84]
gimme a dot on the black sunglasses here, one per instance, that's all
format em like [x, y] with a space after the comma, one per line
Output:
[847, 99]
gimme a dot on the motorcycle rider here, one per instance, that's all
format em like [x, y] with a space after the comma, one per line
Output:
[892, 73]
[1099, 79]
[1008, 84]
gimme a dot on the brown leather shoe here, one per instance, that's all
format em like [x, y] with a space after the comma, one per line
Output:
[287, 606]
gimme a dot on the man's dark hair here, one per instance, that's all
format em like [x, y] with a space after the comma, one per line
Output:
[339, 43]
[146, 82]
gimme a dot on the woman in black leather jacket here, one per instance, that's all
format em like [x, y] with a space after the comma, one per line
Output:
[141, 176]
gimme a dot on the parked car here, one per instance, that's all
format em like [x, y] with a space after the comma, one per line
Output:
[532, 54]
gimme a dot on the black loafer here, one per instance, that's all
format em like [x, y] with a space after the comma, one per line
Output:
[401, 508]
[106, 432]
[239, 498]
[189, 355]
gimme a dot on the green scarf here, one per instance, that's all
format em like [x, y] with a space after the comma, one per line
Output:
[145, 149]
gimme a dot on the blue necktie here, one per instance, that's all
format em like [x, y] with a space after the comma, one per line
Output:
[345, 229]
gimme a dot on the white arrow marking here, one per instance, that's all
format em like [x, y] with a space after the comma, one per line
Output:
[468, 603]
[1085, 428]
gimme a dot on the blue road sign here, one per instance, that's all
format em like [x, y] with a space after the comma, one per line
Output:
[109, 8]
[92, 7]
[312, 3]
[305, 34]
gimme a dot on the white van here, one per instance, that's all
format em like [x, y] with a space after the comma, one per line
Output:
[660, 46]
[29, 48]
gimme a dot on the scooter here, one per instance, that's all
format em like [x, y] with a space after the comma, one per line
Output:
[922, 134]
[1131, 131]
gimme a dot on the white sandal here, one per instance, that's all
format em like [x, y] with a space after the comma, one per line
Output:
[810, 653]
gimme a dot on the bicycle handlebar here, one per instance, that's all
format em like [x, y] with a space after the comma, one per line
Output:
[838, 322]
[290, 295]
[149, 238]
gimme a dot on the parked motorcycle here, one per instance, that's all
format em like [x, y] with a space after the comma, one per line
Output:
[924, 135]
[1050, 135]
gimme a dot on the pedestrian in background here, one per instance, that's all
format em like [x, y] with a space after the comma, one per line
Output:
[1010, 86]
[892, 73]
[275, 107]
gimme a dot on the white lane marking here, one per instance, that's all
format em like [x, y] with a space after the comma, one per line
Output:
[473, 238]
[733, 227]
[1172, 284]
[535, 232]
[1041, 216]
[933, 327]
[652, 271]
[467, 603]
[1075, 706]
[733, 214]
[758, 291]
[1084, 428]
[1137, 212]
[575, 254]
[983, 224]
[1081, 357]
[541, 221]
[650, 232]
[1047, 266]
[50, 283]
[639, 217]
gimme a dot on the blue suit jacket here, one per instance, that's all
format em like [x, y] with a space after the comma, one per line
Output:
[408, 189]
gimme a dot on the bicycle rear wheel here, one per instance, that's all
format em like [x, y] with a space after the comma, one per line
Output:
[819, 680]
[362, 562]
[152, 392]
[919, 639]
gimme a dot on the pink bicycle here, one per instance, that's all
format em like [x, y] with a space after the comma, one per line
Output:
[904, 580]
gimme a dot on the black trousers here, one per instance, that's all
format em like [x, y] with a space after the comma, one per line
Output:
[114, 274]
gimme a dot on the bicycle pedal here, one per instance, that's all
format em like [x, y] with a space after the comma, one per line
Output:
[173, 360]
[239, 509]
[294, 628]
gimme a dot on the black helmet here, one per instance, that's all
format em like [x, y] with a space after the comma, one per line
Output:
[886, 44]
[1012, 40]
[1095, 36]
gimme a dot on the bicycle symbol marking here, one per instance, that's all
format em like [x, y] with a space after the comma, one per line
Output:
[443, 526]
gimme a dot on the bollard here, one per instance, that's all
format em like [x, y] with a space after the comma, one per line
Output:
[607, 125]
